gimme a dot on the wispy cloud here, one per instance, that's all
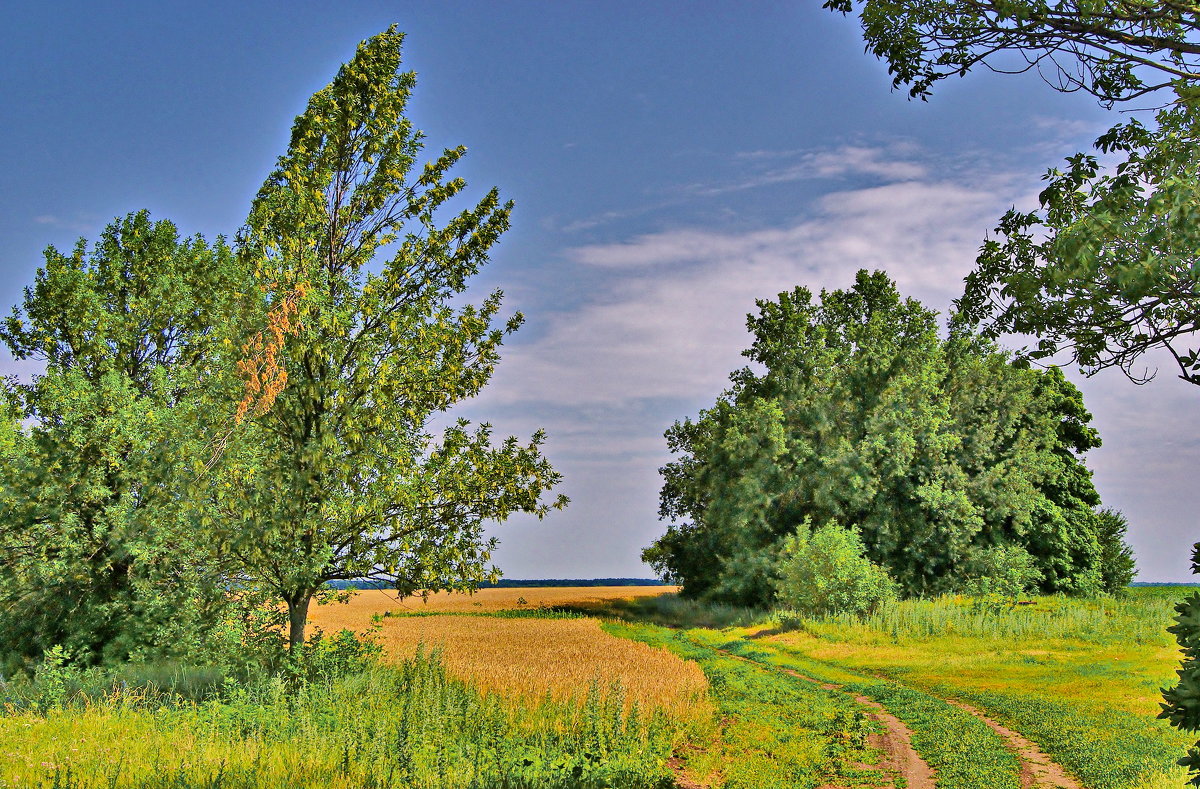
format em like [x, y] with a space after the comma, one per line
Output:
[79, 223]
[893, 162]
[889, 163]
[671, 321]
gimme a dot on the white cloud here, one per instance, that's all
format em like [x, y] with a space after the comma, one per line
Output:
[671, 321]
[894, 162]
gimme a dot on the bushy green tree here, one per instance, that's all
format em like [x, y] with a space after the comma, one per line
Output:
[341, 477]
[99, 556]
[1181, 703]
[1106, 269]
[1117, 565]
[1115, 50]
[826, 571]
[932, 449]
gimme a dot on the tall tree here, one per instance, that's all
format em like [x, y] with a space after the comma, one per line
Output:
[341, 477]
[99, 557]
[934, 450]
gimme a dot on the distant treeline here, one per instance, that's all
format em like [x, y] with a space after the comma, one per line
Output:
[514, 583]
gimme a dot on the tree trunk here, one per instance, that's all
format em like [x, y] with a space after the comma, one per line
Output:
[297, 619]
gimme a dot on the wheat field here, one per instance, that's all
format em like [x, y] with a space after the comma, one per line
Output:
[356, 614]
[529, 656]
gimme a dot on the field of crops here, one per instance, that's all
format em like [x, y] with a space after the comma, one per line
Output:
[356, 612]
[527, 689]
[530, 651]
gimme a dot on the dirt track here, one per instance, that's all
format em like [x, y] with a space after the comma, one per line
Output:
[900, 758]
[1037, 770]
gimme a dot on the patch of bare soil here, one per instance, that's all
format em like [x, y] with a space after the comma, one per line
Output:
[1037, 770]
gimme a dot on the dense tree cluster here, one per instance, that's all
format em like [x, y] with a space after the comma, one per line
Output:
[1106, 269]
[858, 413]
[220, 426]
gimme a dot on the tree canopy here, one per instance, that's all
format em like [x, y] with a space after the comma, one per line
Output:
[1116, 50]
[934, 450]
[1107, 269]
[217, 424]
[99, 554]
[341, 476]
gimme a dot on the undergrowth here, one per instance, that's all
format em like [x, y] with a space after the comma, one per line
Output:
[406, 724]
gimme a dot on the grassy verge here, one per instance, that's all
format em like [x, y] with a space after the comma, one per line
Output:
[1109, 750]
[402, 725]
[965, 753]
[1078, 677]
[777, 731]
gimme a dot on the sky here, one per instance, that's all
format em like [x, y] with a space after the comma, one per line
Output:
[670, 162]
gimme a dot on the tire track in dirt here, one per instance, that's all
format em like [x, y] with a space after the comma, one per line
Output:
[895, 741]
[900, 757]
[1038, 771]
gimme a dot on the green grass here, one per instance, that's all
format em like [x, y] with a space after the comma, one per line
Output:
[965, 753]
[1081, 678]
[405, 725]
[1111, 750]
[778, 732]
[1136, 617]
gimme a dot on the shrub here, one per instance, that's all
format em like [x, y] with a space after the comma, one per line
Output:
[327, 657]
[826, 571]
[1001, 574]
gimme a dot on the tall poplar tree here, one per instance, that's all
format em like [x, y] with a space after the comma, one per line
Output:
[341, 477]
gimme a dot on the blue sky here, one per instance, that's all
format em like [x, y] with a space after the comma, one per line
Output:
[670, 163]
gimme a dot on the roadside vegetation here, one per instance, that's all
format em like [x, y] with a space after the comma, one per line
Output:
[357, 724]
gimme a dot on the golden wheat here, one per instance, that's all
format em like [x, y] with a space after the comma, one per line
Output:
[529, 656]
[356, 614]
[562, 657]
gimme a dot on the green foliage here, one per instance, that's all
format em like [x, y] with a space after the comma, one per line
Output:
[932, 449]
[1106, 270]
[341, 478]
[1114, 50]
[1181, 703]
[97, 551]
[329, 657]
[405, 725]
[1117, 566]
[1001, 574]
[826, 571]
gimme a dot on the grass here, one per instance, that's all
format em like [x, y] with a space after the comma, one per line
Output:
[540, 694]
[964, 752]
[1081, 678]
[777, 731]
[410, 724]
